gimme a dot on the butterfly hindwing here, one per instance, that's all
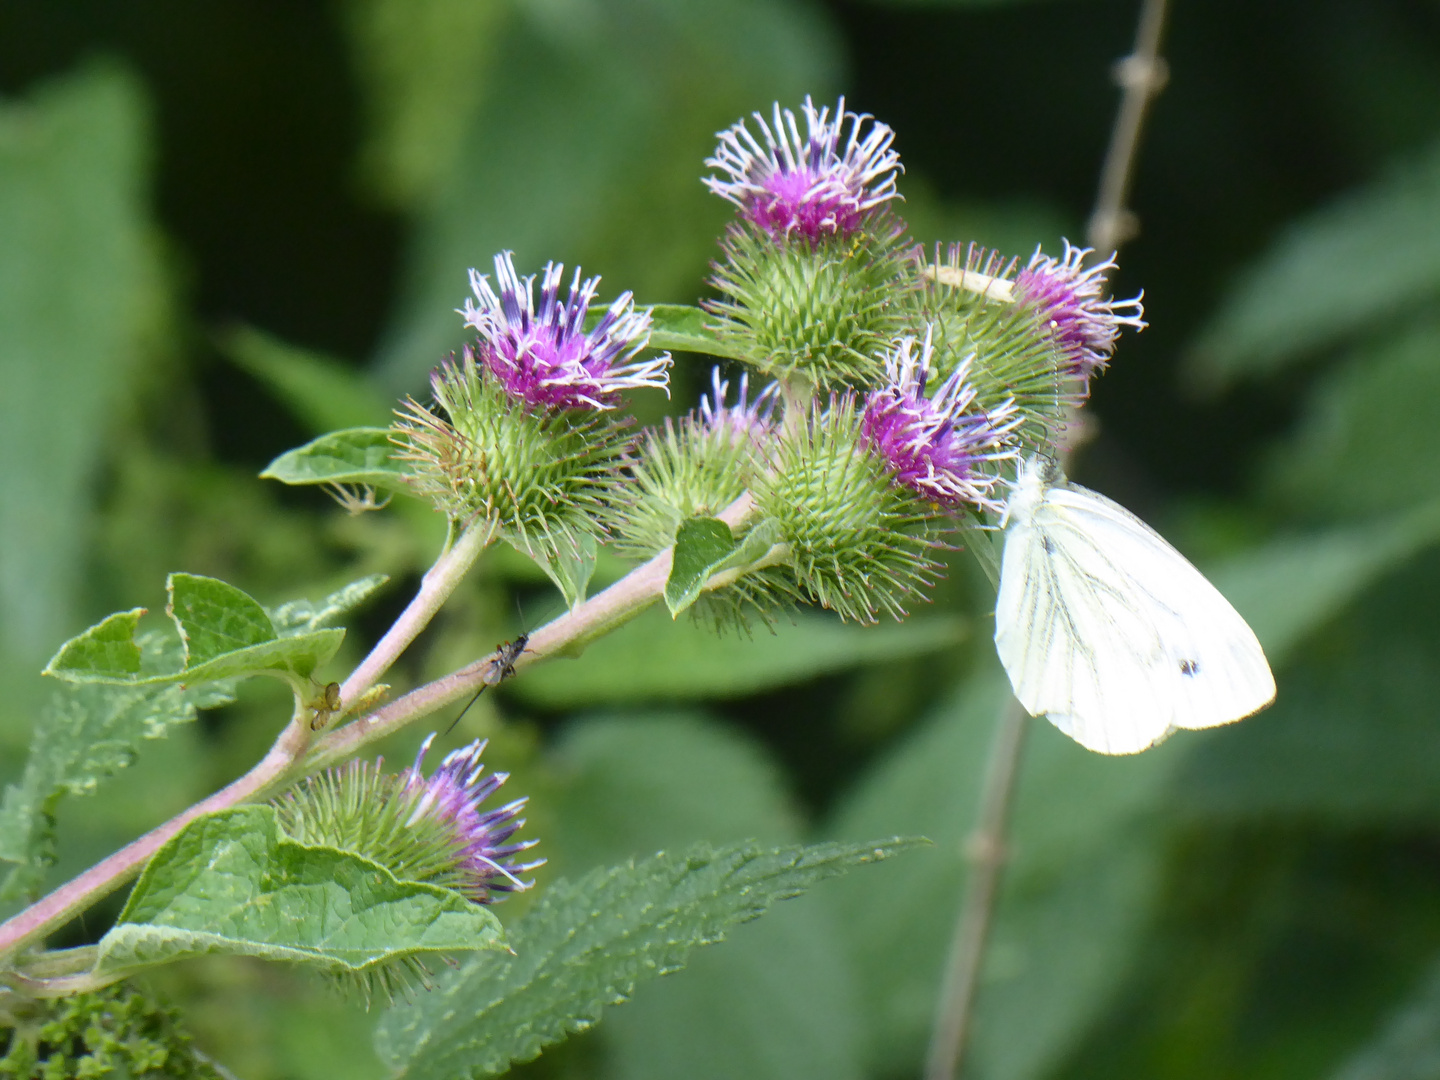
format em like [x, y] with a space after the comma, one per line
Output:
[1112, 633]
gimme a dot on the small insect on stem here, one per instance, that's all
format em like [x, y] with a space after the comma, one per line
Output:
[324, 706]
[502, 666]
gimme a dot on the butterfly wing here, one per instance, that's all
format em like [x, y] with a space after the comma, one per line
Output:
[1110, 632]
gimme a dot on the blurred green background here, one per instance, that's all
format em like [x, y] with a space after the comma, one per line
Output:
[226, 227]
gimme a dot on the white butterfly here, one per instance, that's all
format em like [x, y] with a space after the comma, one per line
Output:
[1108, 630]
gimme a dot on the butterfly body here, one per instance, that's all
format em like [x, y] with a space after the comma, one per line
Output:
[1110, 632]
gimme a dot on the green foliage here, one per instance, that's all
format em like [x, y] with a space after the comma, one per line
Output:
[424, 68]
[86, 734]
[324, 393]
[232, 882]
[355, 456]
[569, 566]
[1364, 259]
[307, 616]
[1351, 741]
[1254, 902]
[1367, 430]
[81, 297]
[778, 1002]
[1074, 899]
[611, 142]
[1288, 588]
[112, 1032]
[225, 634]
[1408, 1045]
[681, 328]
[633, 784]
[588, 944]
[704, 547]
[655, 659]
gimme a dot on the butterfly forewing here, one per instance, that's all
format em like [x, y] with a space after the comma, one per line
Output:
[1111, 633]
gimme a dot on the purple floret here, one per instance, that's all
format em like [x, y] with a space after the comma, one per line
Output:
[545, 357]
[942, 447]
[810, 187]
[1083, 321]
[453, 793]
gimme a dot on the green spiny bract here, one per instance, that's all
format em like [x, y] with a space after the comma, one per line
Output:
[358, 808]
[1015, 359]
[823, 310]
[696, 468]
[860, 544]
[686, 469]
[539, 479]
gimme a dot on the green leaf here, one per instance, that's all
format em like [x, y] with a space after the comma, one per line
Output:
[232, 882]
[297, 656]
[705, 547]
[700, 544]
[82, 306]
[305, 616]
[1408, 1045]
[86, 734]
[569, 568]
[214, 617]
[634, 785]
[1367, 429]
[588, 944]
[108, 646]
[654, 658]
[680, 328]
[355, 456]
[1360, 260]
[324, 393]
[226, 634]
[779, 1001]
[1289, 588]
[1074, 898]
[423, 66]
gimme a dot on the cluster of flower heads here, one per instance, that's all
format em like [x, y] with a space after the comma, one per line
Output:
[819, 292]
[546, 358]
[811, 186]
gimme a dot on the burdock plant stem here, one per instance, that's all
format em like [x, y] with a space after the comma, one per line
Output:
[293, 757]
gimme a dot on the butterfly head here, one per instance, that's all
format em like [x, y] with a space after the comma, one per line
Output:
[1037, 475]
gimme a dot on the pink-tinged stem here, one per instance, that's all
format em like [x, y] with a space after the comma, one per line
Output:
[599, 615]
[54, 910]
[287, 759]
[435, 588]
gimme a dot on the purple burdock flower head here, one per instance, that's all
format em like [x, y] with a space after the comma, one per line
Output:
[812, 187]
[940, 446]
[749, 418]
[1083, 321]
[452, 795]
[546, 358]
